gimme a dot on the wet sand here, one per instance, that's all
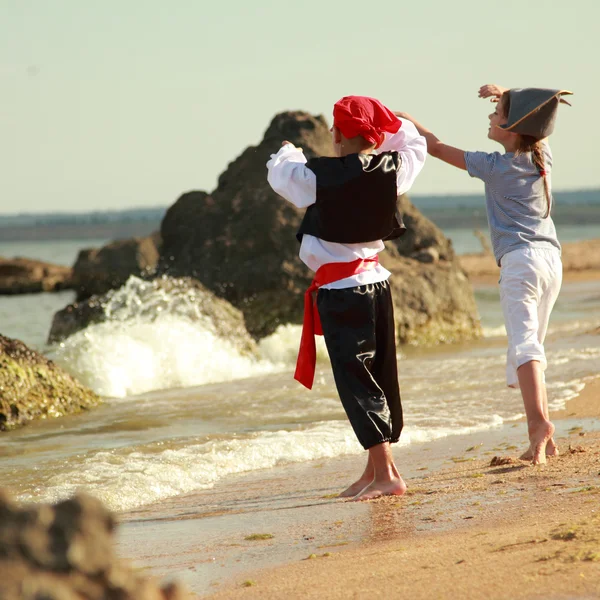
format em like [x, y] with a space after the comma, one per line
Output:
[465, 529]
[581, 262]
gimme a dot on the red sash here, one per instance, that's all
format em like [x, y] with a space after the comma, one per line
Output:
[328, 273]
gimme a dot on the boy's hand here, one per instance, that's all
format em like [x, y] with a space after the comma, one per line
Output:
[491, 90]
[402, 115]
[285, 142]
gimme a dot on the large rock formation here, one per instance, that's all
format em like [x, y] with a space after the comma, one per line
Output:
[149, 300]
[32, 387]
[28, 276]
[98, 270]
[240, 242]
[66, 552]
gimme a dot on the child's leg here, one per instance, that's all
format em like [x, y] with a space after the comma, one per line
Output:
[348, 318]
[387, 480]
[523, 288]
[385, 365]
[554, 282]
[539, 427]
[552, 268]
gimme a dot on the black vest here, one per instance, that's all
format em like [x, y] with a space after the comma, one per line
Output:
[356, 199]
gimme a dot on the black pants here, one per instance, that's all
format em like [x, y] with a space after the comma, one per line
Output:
[358, 326]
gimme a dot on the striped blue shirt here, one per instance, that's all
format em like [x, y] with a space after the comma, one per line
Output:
[515, 200]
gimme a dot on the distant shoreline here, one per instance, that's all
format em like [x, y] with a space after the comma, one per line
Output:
[581, 262]
[466, 200]
[79, 231]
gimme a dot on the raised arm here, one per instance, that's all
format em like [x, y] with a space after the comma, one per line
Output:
[449, 154]
[412, 148]
[290, 178]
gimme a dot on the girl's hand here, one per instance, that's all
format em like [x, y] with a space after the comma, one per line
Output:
[492, 91]
[402, 115]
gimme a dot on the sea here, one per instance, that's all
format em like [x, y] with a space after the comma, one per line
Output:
[184, 409]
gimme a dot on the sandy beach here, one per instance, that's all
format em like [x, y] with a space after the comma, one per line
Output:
[466, 528]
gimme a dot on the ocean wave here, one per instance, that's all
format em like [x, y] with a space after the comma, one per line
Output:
[125, 480]
[154, 339]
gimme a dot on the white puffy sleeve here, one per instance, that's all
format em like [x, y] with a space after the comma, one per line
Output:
[290, 178]
[412, 148]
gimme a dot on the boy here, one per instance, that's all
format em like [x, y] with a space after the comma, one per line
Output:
[351, 208]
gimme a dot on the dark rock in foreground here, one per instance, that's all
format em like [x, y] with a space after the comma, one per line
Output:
[66, 552]
[28, 276]
[33, 387]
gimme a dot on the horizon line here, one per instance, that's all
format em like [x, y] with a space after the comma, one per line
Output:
[165, 206]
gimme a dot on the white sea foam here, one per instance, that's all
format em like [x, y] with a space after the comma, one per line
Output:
[121, 358]
[125, 480]
[155, 339]
[281, 347]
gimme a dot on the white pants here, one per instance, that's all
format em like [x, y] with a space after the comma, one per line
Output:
[530, 280]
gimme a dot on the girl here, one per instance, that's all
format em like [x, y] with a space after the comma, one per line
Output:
[519, 201]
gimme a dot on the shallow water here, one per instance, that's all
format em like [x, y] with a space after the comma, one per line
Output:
[174, 422]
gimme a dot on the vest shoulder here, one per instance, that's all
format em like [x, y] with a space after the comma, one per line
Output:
[363, 162]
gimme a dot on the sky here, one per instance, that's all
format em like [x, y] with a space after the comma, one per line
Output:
[126, 103]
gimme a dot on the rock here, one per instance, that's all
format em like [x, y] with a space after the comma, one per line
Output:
[428, 255]
[28, 276]
[433, 303]
[66, 551]
[148, 300]
[76, 316]
[98, 270]
[422, 237]
[239, 241]
[33, 387]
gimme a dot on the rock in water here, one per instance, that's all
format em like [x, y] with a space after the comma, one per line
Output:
[27, 276]
[148, 300]
[239, 241]
[98, 270]
[66, 552]
[33, 387]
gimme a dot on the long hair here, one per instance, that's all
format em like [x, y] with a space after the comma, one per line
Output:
[529, 144]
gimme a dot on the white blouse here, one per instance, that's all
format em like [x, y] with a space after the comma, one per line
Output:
[291, 179]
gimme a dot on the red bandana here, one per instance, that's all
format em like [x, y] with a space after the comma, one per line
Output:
[360, 115]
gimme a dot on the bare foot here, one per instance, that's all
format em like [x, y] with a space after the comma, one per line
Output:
[551, 450]
[539, 440]
[394, 487]
[357, 486]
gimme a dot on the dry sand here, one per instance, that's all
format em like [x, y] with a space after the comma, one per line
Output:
[581, 262]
